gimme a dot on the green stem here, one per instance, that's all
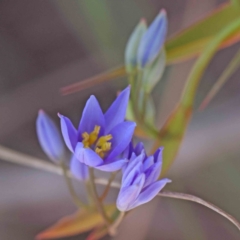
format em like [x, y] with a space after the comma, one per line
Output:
[117, 222]
[72, 192]
[96, 198]
[107, 188]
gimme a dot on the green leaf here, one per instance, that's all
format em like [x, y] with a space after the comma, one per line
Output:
[191, 41]
[77, 223]
[227, 73]
[170, 136]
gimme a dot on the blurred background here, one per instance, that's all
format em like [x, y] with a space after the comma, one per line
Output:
[45, 45]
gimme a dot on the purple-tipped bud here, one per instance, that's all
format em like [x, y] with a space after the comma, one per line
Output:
[133, 44]
[49, 137]
[140, 182]
[78, 169]
[153, 40]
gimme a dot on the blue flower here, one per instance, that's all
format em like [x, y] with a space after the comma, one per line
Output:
[100, 138]
[139, 181]
[78, 169]
[152, 40]
[49, 137]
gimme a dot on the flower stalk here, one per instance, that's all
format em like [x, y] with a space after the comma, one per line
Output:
[96, 199]
[72, 192]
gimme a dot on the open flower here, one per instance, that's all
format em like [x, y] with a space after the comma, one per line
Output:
[100, 138]
[139, 181]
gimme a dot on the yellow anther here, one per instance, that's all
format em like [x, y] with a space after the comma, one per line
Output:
[102, 140]
[85, 140]
[89, 139]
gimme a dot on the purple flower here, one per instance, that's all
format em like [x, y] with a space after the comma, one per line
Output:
[49, 137]
[100, 138]
[78, 169]
[152, 40]
[139, 181]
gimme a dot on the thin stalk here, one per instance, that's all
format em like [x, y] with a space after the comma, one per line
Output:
[108, 186]
[72, 192]
[198, 200]
[113, 228]
[96, 198]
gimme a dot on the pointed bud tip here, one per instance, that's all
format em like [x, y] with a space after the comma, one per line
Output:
[40, 111]
[59, 115]
[163, 12]
[143, 21]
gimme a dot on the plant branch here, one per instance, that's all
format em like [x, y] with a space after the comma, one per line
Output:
[72, 192]
[108, 186]
[96, 198]
[195, 199]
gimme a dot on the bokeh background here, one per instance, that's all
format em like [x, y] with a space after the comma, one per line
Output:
[45, 45]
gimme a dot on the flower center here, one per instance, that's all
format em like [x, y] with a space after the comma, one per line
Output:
[100, 145]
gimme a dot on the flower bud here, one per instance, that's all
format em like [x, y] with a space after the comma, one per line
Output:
[49, 137]
[78, 169]
[153, 72]
[152, 40]
[133, 44]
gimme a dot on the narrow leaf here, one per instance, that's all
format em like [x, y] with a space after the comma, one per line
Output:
[90, 82]
[77, 223]
[191, 41]
[227, 73]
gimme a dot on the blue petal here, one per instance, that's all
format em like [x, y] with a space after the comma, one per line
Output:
[128, 151]
[92, 116]
[133, 167]
[153, 173]
[158, 155]
[87, 156]
[49, 137]
[69, 132]
[117, 111]
[113, 166]
[128, 179]
[126, 197]
[153, 39]
[78, 169]
[139, 148]
[150, 192]
[121, 137]
[148, 163]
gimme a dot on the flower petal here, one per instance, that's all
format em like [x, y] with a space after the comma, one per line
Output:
[139, 148]
[126, 197]
[87, 156]
[128, 179]
[78, 169]
[69, 132]
[150, 192]
[158, 155]
[121, 137]
[92, 116]
[148, 163]
[152, 174]
[117, 111]
[133, 166]
[152, 40]
[49, 137]
[113, 166]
